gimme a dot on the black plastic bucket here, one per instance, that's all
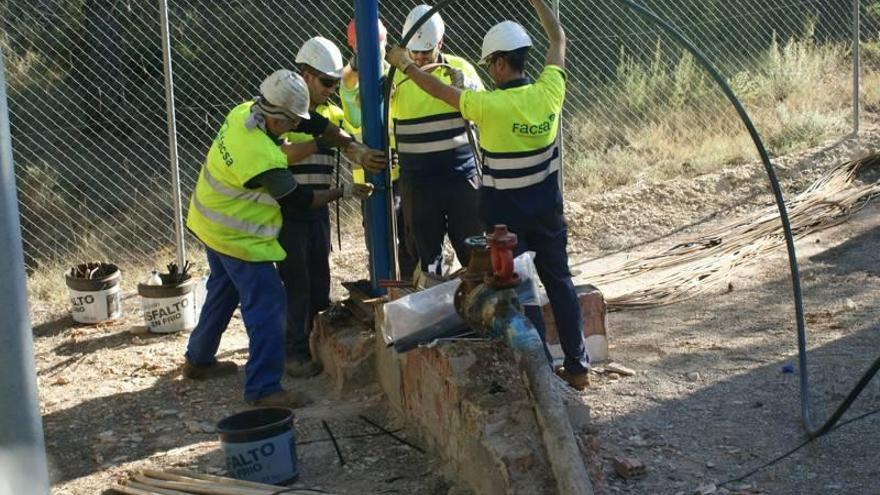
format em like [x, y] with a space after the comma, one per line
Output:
[260, 445]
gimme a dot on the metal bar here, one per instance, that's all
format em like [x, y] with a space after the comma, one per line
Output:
[338, 205]
[335, 443]
[856, 26]
[172, 134]
[390, 434]
[560, 133]
[366, 14]
[23, 467]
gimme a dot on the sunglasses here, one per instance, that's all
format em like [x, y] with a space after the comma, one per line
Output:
[327, 82]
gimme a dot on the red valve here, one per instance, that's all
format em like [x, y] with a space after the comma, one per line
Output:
[501, 243]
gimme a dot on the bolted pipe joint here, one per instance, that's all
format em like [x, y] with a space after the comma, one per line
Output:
[478, 308]
[479, 266]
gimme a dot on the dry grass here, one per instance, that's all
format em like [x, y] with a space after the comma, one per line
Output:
[671, 120]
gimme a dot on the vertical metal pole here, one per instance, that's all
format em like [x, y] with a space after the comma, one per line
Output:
[561, 136]
[856, 64]
[366, 14]
[172, 134]
[23, 466]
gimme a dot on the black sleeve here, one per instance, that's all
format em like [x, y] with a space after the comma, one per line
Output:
[316, 125]
[297, 201]
[278, 181]
[284, 188]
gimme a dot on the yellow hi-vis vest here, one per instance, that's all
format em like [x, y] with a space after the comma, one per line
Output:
[430, 135]
[228, 217]
[519, 124]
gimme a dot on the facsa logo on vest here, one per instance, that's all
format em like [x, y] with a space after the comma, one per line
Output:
[221, 144]
[528, 129]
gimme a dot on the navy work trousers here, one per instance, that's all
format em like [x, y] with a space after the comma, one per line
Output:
[406, 244]
[548, 238]
[306, 276]
[257, 287]
[431, 210]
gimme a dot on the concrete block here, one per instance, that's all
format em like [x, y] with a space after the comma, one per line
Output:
[628, 467]
[593, 308]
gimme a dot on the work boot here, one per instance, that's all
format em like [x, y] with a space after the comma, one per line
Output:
[577, 381]
[281, 398]
[216, 370]
[302, 368]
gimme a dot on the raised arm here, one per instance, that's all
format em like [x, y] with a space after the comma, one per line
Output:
[399, 58]
[556, 50]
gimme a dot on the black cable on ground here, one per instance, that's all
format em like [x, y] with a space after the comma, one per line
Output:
[812, 431]
[792, 451]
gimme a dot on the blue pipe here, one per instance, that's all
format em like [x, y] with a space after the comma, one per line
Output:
[366, 15]
[498, 313]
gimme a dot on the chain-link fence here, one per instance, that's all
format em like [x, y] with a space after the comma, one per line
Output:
[87, 94]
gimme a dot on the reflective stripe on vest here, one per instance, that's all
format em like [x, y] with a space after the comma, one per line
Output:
[234, 223]
[431, 134]
[249, 195]
[315, 170]
[520, 169]
[224, 214]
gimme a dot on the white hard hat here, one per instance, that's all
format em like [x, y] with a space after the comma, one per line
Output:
[322, 55]
[504, 37]
[284, 94]
[429, 35]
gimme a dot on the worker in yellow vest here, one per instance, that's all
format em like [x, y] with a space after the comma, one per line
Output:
[243, 191]
[439, 176]
[349, 94]
[519, 126]
[305, 235]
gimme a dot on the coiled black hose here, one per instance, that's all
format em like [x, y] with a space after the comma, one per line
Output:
[806, 412]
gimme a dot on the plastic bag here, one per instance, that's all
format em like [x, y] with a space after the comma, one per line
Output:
[529, 292]
[428, 313]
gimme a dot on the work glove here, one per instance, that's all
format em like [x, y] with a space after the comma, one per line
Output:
[353, 61]
[372, 160]
[359, 191]
[399, 57]
[456, 77]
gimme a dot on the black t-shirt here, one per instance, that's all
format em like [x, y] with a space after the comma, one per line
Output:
[316, 125]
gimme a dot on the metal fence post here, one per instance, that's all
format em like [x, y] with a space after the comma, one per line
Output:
[172, 134]
[22, 453]
[856, 35]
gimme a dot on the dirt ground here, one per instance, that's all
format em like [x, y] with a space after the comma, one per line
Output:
[709, 401]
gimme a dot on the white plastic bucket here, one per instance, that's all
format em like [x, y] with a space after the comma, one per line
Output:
[169, 308]
[95, 300]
